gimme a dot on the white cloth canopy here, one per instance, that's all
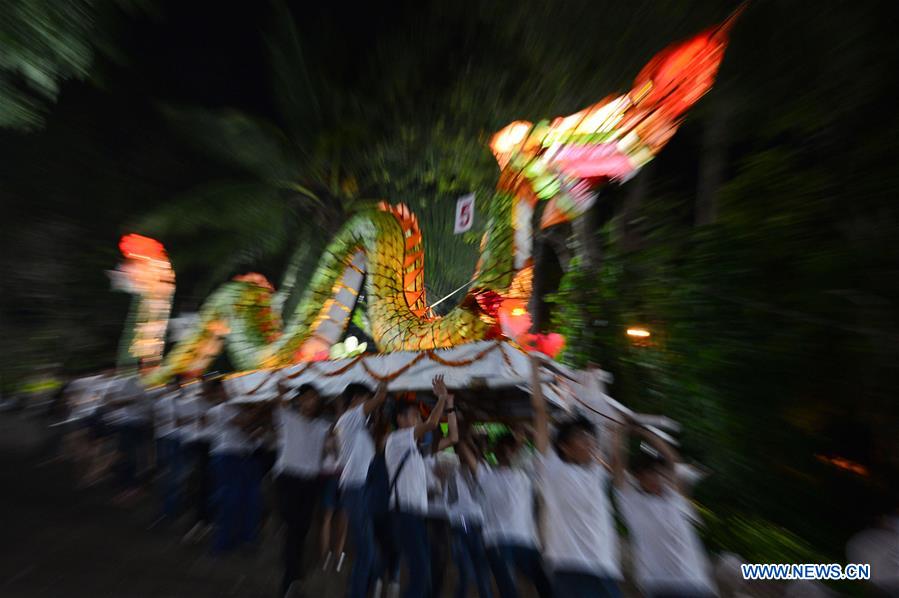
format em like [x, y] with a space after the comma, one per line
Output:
[493, 365]
[490, 363]
[485, 364]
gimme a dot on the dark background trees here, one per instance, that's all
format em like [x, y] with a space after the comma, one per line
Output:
[759, 248]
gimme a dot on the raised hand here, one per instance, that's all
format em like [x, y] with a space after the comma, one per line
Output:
[440, 387]
[376, 401]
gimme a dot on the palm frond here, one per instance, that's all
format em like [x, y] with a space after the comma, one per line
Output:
[247, 142]
[294, 91]
[244, 207]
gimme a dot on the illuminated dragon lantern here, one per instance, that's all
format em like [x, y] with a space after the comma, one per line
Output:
[563, 161]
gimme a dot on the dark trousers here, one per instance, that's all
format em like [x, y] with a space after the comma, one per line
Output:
[572, 584]
[507, 560]
[297, 499]
[238, 499]
[197, 452]
[363, 538]
[411, 535]
[133, 449]
[387, 566]
[168, 465]
[439, 541]
[265, 459]
[471, 561]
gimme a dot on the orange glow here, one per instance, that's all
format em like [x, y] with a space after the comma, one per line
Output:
[508, 140]
[844, 464]
[138, 246]
[514, 319]
[638, 332]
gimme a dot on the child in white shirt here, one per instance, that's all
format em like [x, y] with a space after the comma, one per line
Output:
[581, 544]
[510, 528]
[669, 559]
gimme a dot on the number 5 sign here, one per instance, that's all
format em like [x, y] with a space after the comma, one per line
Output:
[464, 213]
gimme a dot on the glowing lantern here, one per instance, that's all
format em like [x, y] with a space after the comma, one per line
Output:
[638, 332]
[136, 246]
[549, 344]
[508, 140]
[514, 319]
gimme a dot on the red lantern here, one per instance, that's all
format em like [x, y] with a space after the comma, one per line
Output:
[550, 344]
[139, 246]
[514, 319]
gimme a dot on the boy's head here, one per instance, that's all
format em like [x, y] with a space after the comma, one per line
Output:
[174, 384]
[355, 394]
[576, 441]
[505, 448]
[407, 414]
[310, 400]
[649, 470]
[214, 388]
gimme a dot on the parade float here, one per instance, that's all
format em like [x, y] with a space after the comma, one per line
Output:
[485, 342]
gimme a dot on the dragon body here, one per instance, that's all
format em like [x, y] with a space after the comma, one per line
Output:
[380, 251]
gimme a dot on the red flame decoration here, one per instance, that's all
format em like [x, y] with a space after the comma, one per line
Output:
[675, 79]
[549, 344]
[140, 247]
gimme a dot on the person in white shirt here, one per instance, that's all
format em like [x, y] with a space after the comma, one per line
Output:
[669, 559]
[879, 547]
[408, 491]
[357, 449]
[92, 408]
[510, 528]
[332, 538]
[190, 421]
[580, 542]
[377, 481]
[439, 465]
[131, 417]
[168, 447]
[302, 431]
[466, 517]
[196, 434]
[237, 491]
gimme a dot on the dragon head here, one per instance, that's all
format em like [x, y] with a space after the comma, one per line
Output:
[566, 160]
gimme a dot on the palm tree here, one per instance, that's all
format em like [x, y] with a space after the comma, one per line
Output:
[296, 178]
[292, 182]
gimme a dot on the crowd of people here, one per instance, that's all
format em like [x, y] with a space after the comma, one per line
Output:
[419, 501]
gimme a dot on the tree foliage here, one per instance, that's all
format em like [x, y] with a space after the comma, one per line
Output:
[45, 43]
[773, 326]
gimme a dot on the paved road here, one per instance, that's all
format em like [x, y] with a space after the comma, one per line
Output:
[59, 541]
